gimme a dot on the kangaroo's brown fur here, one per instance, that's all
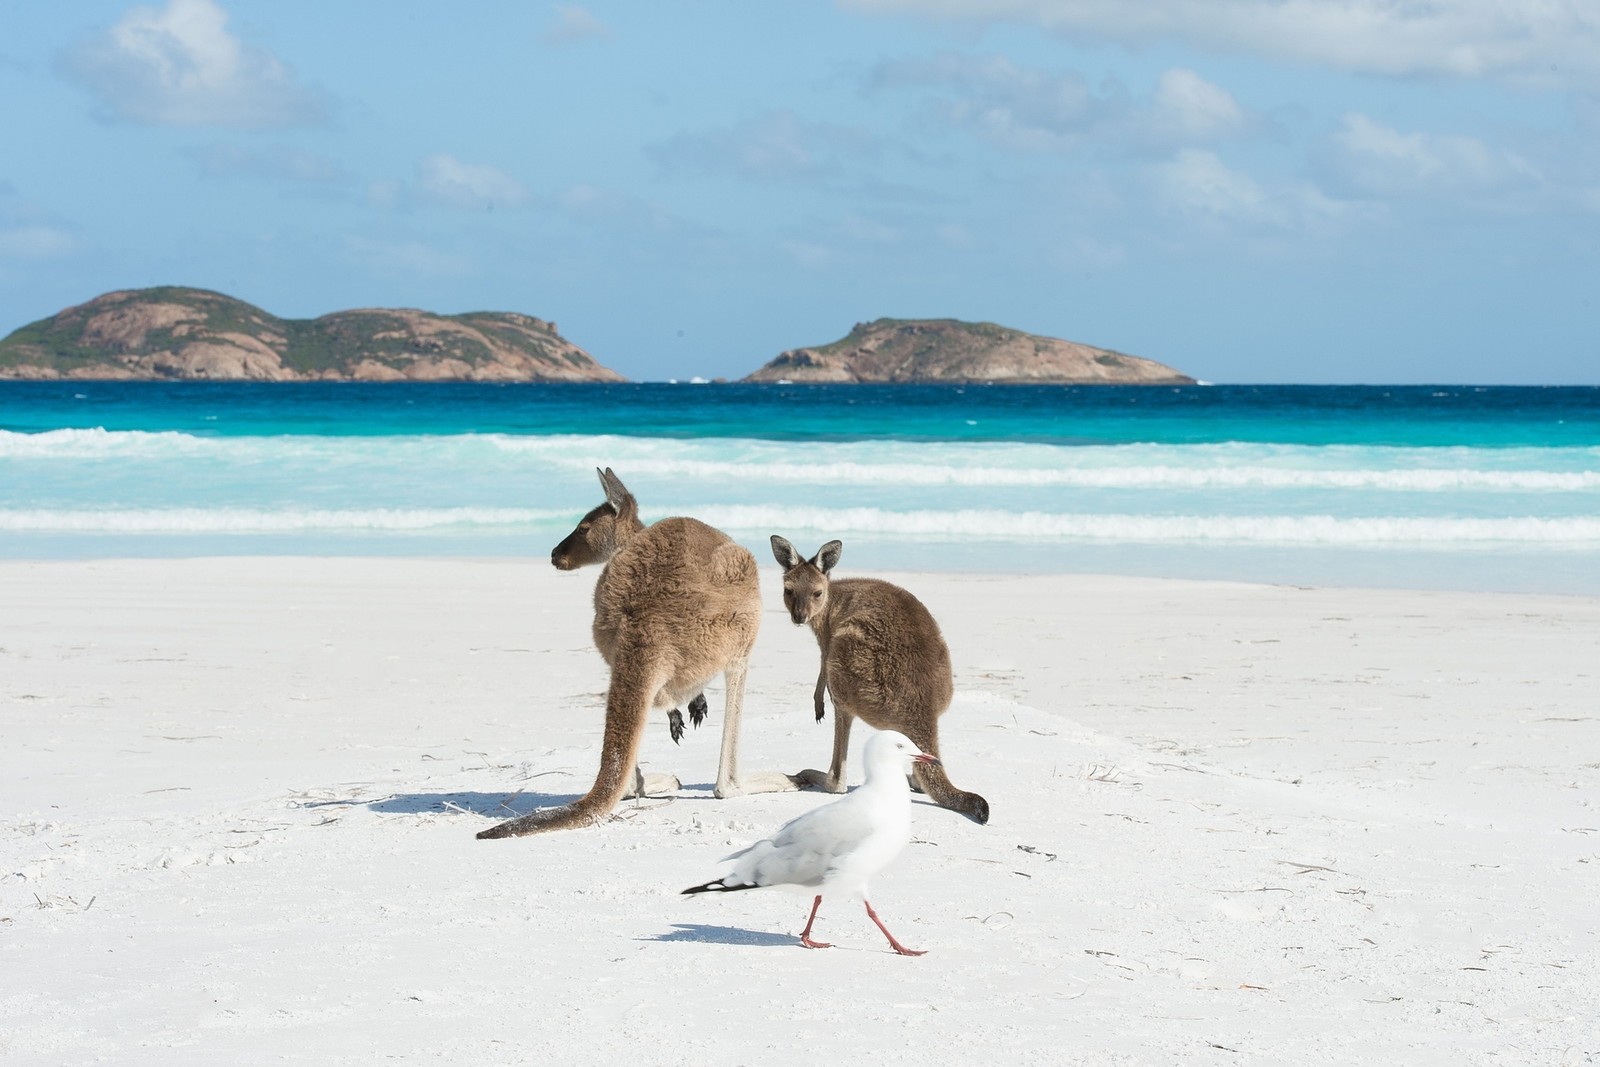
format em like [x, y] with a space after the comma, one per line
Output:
[883, 660]
[677, 604]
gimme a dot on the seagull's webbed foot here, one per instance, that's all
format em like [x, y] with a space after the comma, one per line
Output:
[894, 942]
[806, 942]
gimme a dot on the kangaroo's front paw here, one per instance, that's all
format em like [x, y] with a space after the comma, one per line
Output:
[819, 780]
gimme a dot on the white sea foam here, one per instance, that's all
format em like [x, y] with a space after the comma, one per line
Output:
[93, 443]
[983, 465]
[1007, 465]
[1005, 526]
[1137, 477]
[266, 521]
[755, 522]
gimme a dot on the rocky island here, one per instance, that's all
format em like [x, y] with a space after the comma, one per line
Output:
[174, 332]
[181, 333]
[946, 350]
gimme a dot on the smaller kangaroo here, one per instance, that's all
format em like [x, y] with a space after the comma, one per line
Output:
[884, 662]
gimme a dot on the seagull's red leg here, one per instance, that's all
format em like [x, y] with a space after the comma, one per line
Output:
[805, 935]
[897, 946]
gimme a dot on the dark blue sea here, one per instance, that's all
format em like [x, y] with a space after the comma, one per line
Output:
[1434, 486]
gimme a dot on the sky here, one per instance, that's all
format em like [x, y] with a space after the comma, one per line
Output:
[1325, 191]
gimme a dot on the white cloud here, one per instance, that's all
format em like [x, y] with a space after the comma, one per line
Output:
[273, 162]
[1199, 186]
[180, 66]
[1189, 109]
[404, 257]
[1540, 42]
[1026, 109]
[469, 185]
[1198, 182]
[1369, 158]
[778, 146]
[574, 24]
[1013, 106]
[36, 242]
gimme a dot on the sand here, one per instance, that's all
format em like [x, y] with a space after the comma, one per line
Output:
[1233, 824]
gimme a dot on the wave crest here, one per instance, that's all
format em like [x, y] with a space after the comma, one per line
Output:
[756, 522]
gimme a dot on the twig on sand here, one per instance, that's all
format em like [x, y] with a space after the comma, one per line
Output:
[1307, 868]
[638, 806]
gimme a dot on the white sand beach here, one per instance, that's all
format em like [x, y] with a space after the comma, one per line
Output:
[1232, 824]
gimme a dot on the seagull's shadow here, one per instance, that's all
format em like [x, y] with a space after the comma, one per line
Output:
[725, 935]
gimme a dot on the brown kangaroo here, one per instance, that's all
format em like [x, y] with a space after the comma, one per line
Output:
[883, 660]
[677, 604]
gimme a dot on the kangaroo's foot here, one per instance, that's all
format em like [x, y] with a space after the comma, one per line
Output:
[647, 785]
[756, 782]
[819, 780]
[675, 725]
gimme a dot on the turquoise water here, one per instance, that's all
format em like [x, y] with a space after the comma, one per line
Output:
[1450, 487]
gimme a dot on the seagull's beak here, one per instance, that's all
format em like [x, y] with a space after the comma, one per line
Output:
[923, 757]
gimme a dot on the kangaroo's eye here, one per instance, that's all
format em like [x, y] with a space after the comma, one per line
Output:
[816, 594]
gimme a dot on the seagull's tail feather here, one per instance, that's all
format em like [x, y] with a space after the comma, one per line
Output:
[718, 886]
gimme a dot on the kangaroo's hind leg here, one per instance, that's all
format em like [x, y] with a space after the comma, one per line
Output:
[833, 780]
[730, 782]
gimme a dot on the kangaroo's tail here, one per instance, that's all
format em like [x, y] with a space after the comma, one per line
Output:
[627, 708]
[933, 780]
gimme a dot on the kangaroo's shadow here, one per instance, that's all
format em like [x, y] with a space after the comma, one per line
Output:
[494, 805]
[724, 935]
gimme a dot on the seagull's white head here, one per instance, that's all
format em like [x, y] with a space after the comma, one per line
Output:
[893, 751]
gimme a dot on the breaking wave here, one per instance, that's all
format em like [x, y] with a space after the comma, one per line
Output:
[756, 522]
[886, 464]
[268, 521]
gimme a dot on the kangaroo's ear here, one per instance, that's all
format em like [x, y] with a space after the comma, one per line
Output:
[828, 556]
[784, 553]
[617, 494]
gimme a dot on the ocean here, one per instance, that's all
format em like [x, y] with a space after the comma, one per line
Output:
[1482, 488]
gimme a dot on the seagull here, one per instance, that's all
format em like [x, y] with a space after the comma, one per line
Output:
[838, 846]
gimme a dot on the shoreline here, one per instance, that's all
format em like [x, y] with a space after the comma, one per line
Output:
[1319, 824]
[1543, 573]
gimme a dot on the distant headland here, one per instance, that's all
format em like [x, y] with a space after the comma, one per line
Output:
[946, 350]
[176, 333]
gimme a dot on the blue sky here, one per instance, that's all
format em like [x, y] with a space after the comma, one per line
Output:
[1248, 190]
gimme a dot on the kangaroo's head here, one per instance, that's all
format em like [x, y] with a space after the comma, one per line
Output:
[603, 531]
[805, 581]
